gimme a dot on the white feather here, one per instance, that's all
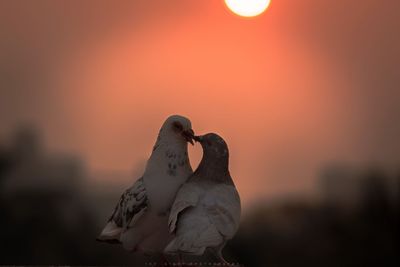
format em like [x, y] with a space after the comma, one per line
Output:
[212, 218]
[140, 218]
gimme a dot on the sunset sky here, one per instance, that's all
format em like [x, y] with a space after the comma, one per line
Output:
[306, 84]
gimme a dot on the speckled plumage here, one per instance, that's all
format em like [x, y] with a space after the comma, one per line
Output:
[140, 219]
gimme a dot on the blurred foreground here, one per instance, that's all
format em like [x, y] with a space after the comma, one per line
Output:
[50, 214]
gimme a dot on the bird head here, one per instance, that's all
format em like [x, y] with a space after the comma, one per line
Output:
[181, 127]
[213, 145]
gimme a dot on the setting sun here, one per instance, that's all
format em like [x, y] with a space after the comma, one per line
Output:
[247, 8]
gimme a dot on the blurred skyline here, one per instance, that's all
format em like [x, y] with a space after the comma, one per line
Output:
[52, 215]
[305, 84]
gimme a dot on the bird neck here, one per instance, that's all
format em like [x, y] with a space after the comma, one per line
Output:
[169, 152]
[167, 140]
[214, 169]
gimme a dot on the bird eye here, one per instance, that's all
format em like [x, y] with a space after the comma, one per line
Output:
[178, 126]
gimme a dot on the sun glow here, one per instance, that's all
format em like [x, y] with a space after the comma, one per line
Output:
[247, 8]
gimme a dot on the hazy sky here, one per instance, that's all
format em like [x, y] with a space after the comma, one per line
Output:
[307, 83]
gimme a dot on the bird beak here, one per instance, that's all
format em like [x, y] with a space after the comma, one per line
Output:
[188, 135]
[198, 138]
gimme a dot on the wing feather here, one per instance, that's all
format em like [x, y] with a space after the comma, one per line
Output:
[213, 219]
[187, 196]
[224, 210]
[130, 207]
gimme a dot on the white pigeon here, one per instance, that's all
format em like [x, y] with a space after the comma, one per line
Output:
[140, 219]
[206, 211]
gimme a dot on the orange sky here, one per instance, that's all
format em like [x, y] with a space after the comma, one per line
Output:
[289, 90]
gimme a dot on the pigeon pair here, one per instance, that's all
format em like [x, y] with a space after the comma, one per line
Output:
[172, 209]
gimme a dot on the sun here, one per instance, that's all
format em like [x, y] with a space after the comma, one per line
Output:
[247, 8]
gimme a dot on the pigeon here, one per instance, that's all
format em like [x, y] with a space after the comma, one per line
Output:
[140, 220]
[206, 211]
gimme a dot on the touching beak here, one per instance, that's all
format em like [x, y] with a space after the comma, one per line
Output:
[189, 136]
[198, 138]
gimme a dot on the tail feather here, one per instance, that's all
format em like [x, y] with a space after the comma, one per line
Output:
[111, 233]
[178, 245]
[130, 239]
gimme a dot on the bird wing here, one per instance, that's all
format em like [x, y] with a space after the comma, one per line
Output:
[187, 196]
[131, 206]
[213, 218]
[195, 232]
[222, 205]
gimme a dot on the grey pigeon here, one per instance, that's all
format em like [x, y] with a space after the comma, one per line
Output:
[206, 211]
[140, 219]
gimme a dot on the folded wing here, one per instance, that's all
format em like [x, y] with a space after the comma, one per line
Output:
[213, 219]
[131, 206]
[222, 206]
[187, 197]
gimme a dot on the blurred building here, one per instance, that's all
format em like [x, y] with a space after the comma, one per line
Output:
[340, 185]
[51, 213]
[348, 187]
[35, 169]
